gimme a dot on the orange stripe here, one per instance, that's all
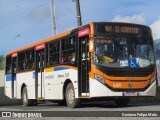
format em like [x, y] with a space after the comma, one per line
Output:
[51, 69]
[124, 85]
[122, 82]
[67, 66]
[25, 72]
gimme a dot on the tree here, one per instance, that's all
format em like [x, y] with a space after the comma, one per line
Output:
[2, 61]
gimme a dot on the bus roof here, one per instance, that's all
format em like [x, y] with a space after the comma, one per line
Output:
[45, 40]
[40, 42]
[64, 34]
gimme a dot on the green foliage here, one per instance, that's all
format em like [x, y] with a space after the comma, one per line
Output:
[2, 62]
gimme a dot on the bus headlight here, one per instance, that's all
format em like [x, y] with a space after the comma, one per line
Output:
[99, 78]
[153, 78]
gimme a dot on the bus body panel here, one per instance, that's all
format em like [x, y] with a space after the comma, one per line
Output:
[100, 90]
[41, 85]
[55, 79]
[50, 84]
[28, 79]
[8, 87]
[70, 74]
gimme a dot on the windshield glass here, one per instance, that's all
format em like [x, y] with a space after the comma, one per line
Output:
[132, 52]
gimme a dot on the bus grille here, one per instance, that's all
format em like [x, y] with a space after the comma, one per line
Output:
[128, 90]
[119, 74]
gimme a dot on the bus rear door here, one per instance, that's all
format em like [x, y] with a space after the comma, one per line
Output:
[39, 71]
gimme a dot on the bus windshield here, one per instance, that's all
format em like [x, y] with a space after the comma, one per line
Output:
[123, 51]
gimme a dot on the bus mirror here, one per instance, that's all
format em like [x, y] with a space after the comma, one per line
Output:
[91, 46]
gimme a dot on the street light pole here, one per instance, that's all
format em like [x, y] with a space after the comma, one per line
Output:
[15, 40]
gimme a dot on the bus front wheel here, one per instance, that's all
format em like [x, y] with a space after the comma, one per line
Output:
[25, 100]
[71, 101]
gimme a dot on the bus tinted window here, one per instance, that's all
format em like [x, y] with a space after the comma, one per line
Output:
[8, 65]
[21, 61]
[29, 59]
[54, 53]
[68, 50]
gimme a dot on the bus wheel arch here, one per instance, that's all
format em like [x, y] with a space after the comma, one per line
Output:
[65, 87]
[63, 102]
[71, 101]
[24, 97]
[23, 85]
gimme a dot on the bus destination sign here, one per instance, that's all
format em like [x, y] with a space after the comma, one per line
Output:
[122, 29]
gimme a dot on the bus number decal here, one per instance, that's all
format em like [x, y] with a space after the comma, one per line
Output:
[124, 63]
[117, 85]
[66, 74]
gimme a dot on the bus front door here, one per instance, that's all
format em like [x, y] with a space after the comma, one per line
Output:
[39, 74]
[83, 71]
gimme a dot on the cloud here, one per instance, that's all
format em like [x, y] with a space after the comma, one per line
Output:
[155, 26]
[139, 18]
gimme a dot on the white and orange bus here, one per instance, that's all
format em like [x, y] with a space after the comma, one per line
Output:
[105, 60]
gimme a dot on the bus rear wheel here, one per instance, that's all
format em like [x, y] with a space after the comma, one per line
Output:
[71, 101]
[25, 100]
[122, 102]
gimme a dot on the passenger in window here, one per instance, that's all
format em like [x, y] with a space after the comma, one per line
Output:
[64, 58]
[9, 70]
[51, 60]
[23, 66]
[14, 70]
[73, 57]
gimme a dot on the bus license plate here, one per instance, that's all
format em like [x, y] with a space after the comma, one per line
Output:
[130, 93]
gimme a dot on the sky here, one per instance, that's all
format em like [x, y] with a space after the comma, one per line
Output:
[23, 22]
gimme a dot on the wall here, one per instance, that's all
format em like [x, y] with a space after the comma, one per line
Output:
[4, 100]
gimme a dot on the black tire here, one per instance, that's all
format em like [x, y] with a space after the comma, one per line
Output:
[34, 103]
[62, 103]
[25, 100]
[122, 102]
[71, 101]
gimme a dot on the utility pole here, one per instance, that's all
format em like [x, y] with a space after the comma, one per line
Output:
[79, 21]
[53, 14]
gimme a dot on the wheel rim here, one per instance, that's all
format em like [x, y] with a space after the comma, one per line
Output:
[70, 96]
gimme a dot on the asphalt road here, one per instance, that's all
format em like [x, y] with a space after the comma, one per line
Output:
[140, 109]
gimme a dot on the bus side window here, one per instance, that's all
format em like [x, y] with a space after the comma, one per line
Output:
[29, 59]
[68, 50]
[54, 53]
[8, 65]
[21, 60]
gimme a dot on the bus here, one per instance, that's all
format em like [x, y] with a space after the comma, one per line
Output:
[96, 61]
[157, 57]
